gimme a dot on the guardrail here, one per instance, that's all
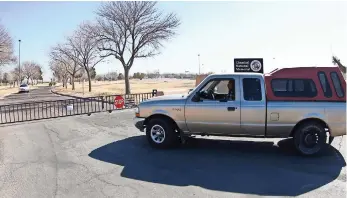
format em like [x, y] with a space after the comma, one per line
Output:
[22, 112]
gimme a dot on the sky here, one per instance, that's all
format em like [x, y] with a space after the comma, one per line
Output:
[284, 34]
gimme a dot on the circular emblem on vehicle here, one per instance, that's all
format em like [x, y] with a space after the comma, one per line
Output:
[256, 65]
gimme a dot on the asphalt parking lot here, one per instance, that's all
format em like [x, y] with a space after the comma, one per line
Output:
[42, 104]
[39, 94]
[103, 155]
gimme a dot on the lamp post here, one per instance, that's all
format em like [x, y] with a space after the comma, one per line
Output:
[20, 77]
[199, 62]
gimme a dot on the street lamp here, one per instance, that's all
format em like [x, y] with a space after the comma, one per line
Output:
[199, 62]
[20, 78]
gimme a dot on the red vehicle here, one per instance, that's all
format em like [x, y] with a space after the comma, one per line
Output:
[283, 81]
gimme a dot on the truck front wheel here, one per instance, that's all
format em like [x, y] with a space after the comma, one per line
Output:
[310, 138]
[161, 133]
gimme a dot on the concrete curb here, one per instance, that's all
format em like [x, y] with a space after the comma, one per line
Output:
[60, 94]
[78, 97]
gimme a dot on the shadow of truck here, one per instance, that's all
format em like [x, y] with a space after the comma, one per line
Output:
[260, 168]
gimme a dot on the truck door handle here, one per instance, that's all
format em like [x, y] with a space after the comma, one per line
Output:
[231, 108]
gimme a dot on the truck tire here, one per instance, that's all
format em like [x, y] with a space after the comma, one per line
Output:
[161, 134]
[310, 138]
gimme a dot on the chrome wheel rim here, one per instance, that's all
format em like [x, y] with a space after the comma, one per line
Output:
[157, 134]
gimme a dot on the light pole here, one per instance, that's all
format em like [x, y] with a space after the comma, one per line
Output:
[20, 77]
[199, 62]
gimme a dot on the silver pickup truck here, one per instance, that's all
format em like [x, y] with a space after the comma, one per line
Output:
[310, 107]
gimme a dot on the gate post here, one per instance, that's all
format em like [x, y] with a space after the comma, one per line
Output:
[102, 102]
[154, 92]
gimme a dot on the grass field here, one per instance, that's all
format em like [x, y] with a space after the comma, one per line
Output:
[168, 86]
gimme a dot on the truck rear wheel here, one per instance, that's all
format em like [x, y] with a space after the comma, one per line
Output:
[161, 133]
[310, 138]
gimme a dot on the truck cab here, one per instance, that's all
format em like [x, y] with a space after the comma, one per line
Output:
[209, 109]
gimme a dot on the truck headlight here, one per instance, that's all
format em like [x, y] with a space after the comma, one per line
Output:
[137, 112]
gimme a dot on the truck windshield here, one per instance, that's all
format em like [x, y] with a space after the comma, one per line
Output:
[208, 86]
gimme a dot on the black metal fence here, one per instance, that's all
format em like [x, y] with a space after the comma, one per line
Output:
[21, 112]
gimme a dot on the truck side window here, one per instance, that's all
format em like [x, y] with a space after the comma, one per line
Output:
[293, 88]
[252, 89]
[325, 84]
[219, 90]
[337, 84]
[299, 85]
[225, 89]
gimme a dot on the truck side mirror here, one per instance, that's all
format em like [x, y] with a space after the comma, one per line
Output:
[196, 97]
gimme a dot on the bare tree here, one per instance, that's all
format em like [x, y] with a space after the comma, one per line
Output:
[31, 70]
[87, 53]
[337, 62]
[80, 75]
[6, 47]
[59, 72]
[38, 74]
[128, 30]
[67, 55]
[15, 77]
[6, 78]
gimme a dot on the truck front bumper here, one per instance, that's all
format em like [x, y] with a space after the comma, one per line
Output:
[138, 122]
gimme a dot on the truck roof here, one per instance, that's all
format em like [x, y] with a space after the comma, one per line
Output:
[291, 71]
[300, 72]
[240, 74]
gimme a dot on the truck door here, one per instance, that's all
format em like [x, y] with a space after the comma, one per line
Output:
[215, 112]
[253, 105]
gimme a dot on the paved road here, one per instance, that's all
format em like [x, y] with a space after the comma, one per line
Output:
[39, 94]
[103, 155]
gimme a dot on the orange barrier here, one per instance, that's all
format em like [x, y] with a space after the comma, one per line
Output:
[200, 78]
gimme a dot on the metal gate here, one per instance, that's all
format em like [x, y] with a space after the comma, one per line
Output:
[22, 112]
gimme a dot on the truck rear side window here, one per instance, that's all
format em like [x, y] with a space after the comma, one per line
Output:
[325, 84]
[337, 84]
[252, 89]
[294, 88]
